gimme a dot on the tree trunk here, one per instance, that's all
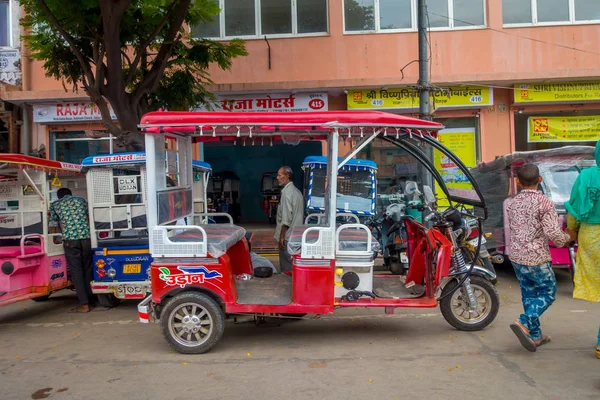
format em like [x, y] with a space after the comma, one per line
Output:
[129, 138]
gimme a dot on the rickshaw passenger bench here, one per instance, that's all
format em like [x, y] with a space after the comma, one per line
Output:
[15, 251]
[220, 238]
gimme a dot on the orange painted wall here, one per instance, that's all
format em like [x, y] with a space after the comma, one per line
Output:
[339, 61]
[493, 54]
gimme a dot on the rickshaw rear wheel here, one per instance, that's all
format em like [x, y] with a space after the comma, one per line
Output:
[41, 298]
[192, 323]
[456, 311]
[108, 300]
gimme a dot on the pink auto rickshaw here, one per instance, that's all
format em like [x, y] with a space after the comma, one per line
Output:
[32, 260]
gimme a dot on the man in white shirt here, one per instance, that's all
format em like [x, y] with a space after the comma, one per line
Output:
[290, 213]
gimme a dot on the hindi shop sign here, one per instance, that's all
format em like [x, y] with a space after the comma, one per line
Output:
[68, 112]
[558, 92]
[408, 98]
[286, 102]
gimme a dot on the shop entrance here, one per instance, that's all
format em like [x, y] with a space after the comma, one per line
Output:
[249, 163]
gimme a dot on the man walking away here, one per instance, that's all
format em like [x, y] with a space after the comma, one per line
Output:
[72, 214]
[290, 214]
[533, 223]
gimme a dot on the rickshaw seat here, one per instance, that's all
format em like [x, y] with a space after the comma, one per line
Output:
[220, 237]
[350, 239]
[15, 251]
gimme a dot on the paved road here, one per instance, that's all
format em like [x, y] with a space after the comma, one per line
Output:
[45, 352]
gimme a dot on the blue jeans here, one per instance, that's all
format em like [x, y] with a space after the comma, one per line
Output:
[598, 344]
[538, 292]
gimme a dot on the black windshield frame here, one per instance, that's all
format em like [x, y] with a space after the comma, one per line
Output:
[404, 143]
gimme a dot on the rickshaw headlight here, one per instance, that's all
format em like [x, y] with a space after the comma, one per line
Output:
[100, 264]
[111, 273]
[8, 268]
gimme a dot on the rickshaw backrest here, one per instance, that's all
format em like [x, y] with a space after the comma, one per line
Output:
[21, 210]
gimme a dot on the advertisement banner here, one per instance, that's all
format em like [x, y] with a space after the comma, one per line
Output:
[68, 112]
[280, 102]
[557, 92]
[408, 98]
[10, 60]
[563, 129]
[460, 141]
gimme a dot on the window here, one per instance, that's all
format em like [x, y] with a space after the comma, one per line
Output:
[401, 15]
[74, 146]
[4, 23]
[550, 12]
[259, 18]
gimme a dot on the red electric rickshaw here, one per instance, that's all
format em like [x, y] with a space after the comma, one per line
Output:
[200, 273]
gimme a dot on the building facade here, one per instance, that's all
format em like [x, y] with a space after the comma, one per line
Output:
[10, 73]
[508, 75]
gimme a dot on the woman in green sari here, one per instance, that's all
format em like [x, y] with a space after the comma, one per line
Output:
[584, 218]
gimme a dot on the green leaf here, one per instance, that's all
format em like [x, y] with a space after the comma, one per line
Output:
[180, 85]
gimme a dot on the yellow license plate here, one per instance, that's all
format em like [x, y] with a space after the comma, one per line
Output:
[132, 268]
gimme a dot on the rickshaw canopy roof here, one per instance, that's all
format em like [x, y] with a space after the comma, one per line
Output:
[355, 163]
[116, 159]
[205, 126]
[201, 165]
[40, 164]
[516, 159]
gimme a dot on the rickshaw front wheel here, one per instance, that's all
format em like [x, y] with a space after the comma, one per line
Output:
[457, 311]
[192, 323]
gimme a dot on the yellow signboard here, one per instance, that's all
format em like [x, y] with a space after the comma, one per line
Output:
[563, 129]
[408, 98]
[557, 92]
[461, 142]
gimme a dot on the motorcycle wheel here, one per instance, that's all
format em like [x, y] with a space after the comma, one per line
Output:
[456, 310]
[483, 262]
[396, 266]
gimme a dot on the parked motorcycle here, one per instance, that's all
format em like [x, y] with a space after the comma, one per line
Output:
[470, 244]
[470, 282]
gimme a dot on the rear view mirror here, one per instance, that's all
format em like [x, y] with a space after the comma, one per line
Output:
[428, 195]
[411, 188]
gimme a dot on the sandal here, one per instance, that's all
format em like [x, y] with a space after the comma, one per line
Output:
[598, 351]
[79, 310]
[522, 334]
[545, 339]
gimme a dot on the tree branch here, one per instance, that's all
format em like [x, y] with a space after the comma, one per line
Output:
[112, 15]
[151, 80]
[126, 58]
[85, 64]
[143, 46]
[97, 99]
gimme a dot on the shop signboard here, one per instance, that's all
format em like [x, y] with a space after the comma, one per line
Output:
[274, 102]
[559, 92]
[408, 98]
[563, 129]
[461, 141]
[68, 112]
